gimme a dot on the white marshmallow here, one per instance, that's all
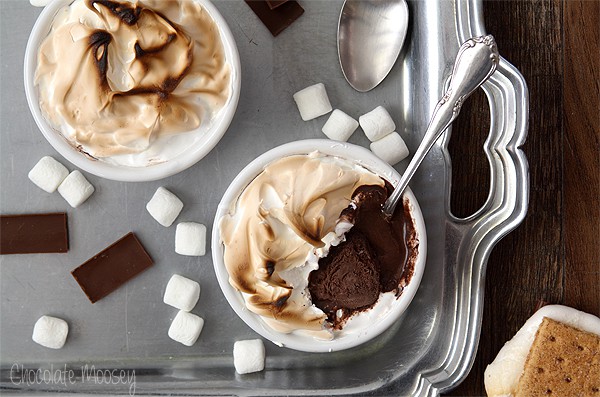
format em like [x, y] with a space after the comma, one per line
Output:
[249, 356]
[39, 3]
[164, 206]
[186, 328]
[312, 102]
[50, 332]
[390, 148]
[48, 174]
[190, 239]
[75, 189]
[182, 293]
[377, 123]
[339, 126]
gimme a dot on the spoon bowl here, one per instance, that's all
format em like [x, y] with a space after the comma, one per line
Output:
[370, 36]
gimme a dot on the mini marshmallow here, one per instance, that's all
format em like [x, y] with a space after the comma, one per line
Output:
[164, 206]
[48, 174]
[39, 3]
[339, 126]
[377, 123]
[50, 332]
[190, 239]
[75, 189]
[390, 148]
[249, 356]
[186, 328]
[182, 293]
[312, 102]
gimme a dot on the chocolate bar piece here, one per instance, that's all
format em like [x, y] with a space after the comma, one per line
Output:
[276, 19]
[275, 3]
[112, 267]
[34, 233]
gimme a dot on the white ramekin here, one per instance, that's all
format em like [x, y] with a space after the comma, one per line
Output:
[191, 156]
[354, 333]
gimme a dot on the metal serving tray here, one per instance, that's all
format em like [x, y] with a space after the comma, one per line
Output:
[429, 351]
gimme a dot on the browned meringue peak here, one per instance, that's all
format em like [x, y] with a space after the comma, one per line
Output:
[279, 218]
[113, 76]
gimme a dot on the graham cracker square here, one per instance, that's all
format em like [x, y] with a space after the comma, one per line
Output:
[563, 362]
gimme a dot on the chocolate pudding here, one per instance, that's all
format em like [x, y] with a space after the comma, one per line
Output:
[376, 257]
[347, 278]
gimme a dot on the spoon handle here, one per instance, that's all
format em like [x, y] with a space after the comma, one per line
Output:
[475, 62]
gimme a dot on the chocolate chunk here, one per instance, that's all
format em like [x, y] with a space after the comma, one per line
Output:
[276, 19]
[33, 233]
[112, 267]
[275, 3]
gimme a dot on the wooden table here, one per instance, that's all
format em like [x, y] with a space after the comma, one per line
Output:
[554, 255]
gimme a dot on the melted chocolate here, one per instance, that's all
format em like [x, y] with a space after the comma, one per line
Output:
[344, 279]
[388, 237]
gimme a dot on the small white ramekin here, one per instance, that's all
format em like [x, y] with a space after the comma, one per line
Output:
[355, 333]
[189, 157]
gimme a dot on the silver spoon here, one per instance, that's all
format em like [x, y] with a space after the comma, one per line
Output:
[370, 37]
[475, 62]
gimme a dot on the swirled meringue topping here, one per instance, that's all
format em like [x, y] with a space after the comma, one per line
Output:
[285, 215]
[116, 76]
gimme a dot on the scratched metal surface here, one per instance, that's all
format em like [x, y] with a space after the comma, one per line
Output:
[429, 350]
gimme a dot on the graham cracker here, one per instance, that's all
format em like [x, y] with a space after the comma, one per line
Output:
[592, 386]
[563, 362]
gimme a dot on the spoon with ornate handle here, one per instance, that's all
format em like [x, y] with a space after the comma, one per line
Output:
[475, 62]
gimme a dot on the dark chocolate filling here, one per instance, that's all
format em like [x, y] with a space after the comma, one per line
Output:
[375, 245]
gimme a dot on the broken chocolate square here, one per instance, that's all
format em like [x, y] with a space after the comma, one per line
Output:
[279, 17]
[113, 267]
[34, 233]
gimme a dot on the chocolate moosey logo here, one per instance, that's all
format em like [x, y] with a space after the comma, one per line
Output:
[65, 377]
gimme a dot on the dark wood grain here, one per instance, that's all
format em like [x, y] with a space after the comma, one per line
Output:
[581, 153]
[470, 167]
[554, 255]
